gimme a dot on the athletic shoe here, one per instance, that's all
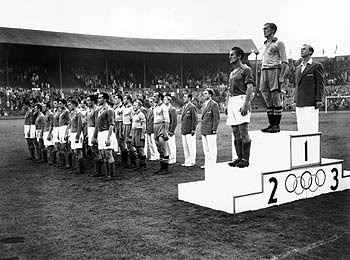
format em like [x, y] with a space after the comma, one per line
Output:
[274, 129]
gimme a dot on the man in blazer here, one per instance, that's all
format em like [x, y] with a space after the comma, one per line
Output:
[188, 130]
[209, 127]
[309, 91]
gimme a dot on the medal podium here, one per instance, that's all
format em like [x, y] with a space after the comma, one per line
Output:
[284, 167]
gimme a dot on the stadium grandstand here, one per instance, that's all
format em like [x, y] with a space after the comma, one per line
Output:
[51, 64]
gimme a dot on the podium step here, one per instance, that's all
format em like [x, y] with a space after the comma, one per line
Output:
[234, 190]
[284, 167]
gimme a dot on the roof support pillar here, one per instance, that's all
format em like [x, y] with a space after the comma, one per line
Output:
[256, 70]
[144, 71]
[106, 72]
[181, 72]
[219, 71]
[7, 69]
[60, 70]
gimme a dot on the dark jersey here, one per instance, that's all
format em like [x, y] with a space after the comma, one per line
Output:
[64, 118]
[105, 119]
[239, 78]
[48, 121]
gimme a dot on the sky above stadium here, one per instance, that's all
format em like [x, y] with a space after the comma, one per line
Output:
[322, 24]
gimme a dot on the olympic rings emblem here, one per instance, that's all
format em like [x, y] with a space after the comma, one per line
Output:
[307, 181]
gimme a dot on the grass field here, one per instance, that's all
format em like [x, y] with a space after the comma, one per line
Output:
[55, 215]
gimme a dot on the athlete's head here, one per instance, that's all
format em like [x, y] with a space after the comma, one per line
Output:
[91, 100]
[158, 97]
[269, 29]
[236, 54]
[103, 97]
[38, 107]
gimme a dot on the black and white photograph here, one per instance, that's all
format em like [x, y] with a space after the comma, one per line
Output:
[155, 130]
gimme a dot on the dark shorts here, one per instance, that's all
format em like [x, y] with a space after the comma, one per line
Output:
[160, 131]
[136, 135]
[119, 129]
[126, 132]
[269, 80]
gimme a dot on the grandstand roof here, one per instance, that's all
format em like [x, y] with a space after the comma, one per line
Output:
[73, 40]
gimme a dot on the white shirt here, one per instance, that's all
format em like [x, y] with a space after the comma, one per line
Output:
[303, 66]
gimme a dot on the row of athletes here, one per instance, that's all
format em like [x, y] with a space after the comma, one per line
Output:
[127, 123]
[54, 133]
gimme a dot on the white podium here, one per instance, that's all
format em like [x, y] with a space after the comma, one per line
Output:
[284, 167]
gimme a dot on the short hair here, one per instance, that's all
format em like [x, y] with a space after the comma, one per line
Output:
[272, 26]
[238, 51]
[56, 99]
[141, 96]
[309, 47]
[93, 98]
[63, 101]
[160, 95]
[39, 106]
[210, 91]
[119, 97]
[47, 104]
[27, 103]
[138, 101]
[105, 96]
[74, 101]
[128, 97]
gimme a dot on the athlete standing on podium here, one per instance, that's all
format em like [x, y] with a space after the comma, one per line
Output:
[240, 91]
[273, 69]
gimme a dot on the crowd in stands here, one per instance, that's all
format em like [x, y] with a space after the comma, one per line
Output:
[12, 98]
[32, 80]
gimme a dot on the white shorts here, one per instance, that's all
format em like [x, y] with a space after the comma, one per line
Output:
[62, 133]
[47, 142]
[91, 131]
[101, 140]
[114, 142]
[73, 144]
[234, 116]
[29, 129]
[37, 135]
[55, 135]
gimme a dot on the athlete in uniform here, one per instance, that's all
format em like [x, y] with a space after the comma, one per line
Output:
[138, 130]
[75, 134]
[103, 134]
[55, 134]
[47, 136]
[29, 132]
[127, 116]
[39, 129]
[161, 135]
[240, 91]
[91, 118]
[150, 142]
[63, 121]
[273, 70]
[171, 144]
[118, 111]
